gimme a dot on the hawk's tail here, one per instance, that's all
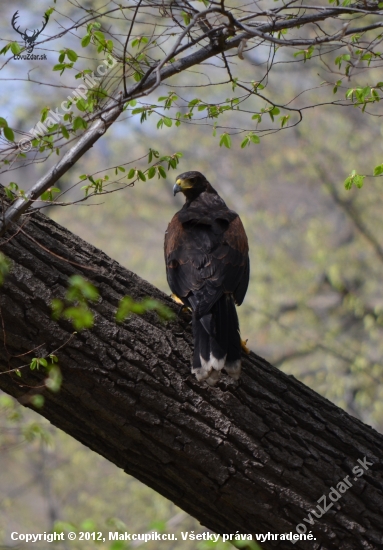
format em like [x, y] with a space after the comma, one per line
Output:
[217, 342]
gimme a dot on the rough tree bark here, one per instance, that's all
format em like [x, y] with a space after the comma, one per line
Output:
[253, 456]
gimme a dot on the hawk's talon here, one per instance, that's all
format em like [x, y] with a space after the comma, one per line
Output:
[244, 346]
[177, 300]
[183, 308]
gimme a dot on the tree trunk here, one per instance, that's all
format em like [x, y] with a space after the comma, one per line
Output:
[252, 457]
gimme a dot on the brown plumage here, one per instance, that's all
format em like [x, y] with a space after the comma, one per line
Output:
[207, 267]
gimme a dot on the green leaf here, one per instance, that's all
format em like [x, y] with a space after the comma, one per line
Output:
[81, 317]
[131, 173]
[72, 55]
[225, 140]
[124, 309]
[52, 128]
[34, 364]
[99, 35]
[64, 132]
[5, 267]
[5, 49]
[37, 400]
[341, 58]
[85, 41]
[354, 179]
[167, 121]
[128, 305]
[378, 170]
[9, 193]
[306, 53]
[250, 138]
[284, 119]
[3, 122]
[79, 123]
[273, 112]
[141, 175]
[54, 380]
[138, 41]
[59, 67]
[57, 308]
[151, 172]
[350, 93]
[15, 48]
[8, 133]
[161, 171]
[81, 104]
[348, 181]
[48, 195]
[186, 17]
[80, 288]
[193, 102]
[44, 113]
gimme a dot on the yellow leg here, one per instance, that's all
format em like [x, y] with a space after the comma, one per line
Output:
[177, 300]
[244, 346]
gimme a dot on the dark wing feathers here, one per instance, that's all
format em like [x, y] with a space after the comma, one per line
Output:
[237, 241]
[206, 254]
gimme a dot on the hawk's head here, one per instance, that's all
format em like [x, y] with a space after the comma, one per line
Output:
[191, 184]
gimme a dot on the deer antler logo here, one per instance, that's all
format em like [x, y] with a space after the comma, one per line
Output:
[29, 40]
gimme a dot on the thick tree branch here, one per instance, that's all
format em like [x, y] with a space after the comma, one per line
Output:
[253, 456]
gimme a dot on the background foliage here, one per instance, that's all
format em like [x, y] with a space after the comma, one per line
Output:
[314, 306]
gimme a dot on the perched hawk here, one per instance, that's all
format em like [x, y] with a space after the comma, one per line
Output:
[207, 267]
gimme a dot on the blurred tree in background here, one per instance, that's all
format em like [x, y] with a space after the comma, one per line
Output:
[278, 104]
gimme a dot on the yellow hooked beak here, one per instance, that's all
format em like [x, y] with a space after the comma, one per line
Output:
[181, 186]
